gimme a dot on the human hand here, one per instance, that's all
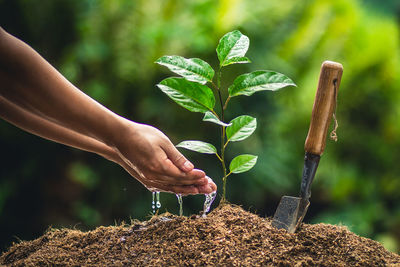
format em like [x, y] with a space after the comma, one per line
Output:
[154, 185]
[34, 123]
[151, 158]
[76, 119]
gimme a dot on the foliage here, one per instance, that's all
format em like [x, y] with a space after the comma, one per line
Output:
[190, 93]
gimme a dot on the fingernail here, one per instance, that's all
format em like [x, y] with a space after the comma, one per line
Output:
[188, 166]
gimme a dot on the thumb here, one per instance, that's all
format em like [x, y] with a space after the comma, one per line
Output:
[177, 158]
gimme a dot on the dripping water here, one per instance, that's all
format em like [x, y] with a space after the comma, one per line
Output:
[153, 203]
[158, 203]
[179, 196]
[208, 201]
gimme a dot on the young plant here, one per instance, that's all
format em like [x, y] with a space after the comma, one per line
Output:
[191, 92]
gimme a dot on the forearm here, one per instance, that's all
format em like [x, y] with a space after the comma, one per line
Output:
[49, 130]
[37, 125]
[61, 112]
[26, 78]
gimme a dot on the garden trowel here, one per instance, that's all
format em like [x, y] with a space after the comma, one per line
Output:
[291, 210]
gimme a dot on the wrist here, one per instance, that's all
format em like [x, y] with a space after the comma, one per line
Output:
[111, 155]
[119, 131]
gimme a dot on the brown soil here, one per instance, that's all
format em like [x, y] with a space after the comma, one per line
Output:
[227, 236]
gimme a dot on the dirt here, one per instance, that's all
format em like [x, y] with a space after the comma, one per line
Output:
[228, 236]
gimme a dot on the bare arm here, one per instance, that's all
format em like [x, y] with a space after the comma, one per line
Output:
[37, 125]
[27, 80]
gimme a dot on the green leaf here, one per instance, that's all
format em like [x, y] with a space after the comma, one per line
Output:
[241, 128]
[242, 163]
[190, 95]
[209, 116]
[192, 69]
[237, 60]
[198, 146]
[232, 45]
[249, 83]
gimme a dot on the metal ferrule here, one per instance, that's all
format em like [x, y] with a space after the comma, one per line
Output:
[310, 168]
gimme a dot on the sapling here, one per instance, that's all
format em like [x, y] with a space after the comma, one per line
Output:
[199, 86]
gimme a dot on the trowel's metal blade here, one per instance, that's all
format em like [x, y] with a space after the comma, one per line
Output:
[291, 210]
[290, 213]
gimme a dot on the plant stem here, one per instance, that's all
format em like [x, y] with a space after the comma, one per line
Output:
[218, 157]
[226, 102]
[223, 200]
[223, 164]
[219, 77]
[222, 105]
[214, 86]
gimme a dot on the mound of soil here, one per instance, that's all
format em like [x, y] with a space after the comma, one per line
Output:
[227, 236]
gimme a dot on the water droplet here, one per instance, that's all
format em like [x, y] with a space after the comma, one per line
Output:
[208, 201]
[158, 203]
[180, 201]
[153, 206]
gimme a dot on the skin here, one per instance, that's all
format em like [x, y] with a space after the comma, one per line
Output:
[36, 97]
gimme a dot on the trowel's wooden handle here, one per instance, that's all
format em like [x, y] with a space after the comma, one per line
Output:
[324, 105]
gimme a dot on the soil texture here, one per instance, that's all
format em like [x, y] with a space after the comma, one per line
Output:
[228, 236]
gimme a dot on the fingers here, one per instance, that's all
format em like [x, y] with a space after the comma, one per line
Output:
[167, 180]
[195, 174]
[203, 189]
[156, 163]
[156, 185]
[177, 158]
[212, 185]
[184, 190]
[168, 168]
[208, 188]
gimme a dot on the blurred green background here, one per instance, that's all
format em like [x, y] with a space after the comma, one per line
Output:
[108, 49]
